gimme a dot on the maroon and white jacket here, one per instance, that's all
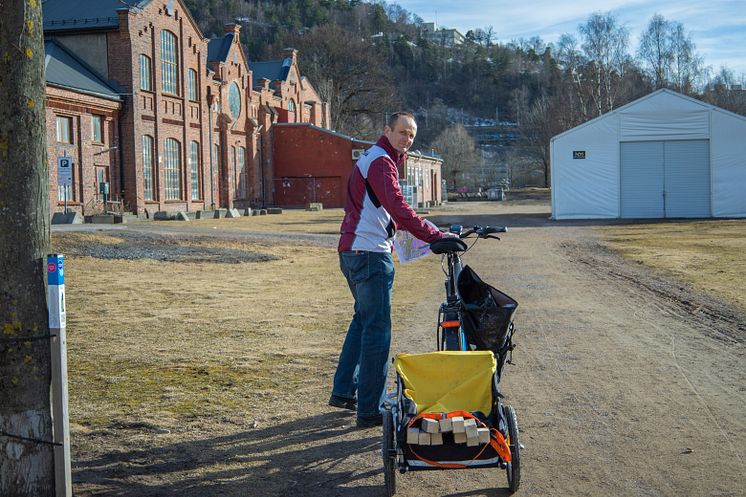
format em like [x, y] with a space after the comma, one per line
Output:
[375, 206]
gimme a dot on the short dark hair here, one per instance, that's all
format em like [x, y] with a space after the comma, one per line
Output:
[395, 117]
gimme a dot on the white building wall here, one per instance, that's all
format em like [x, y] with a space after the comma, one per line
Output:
[587, 188]
[728, 158]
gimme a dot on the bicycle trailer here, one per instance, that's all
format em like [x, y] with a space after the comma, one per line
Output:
[447, 413]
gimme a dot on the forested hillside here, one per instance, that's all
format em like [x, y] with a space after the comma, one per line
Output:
[368, 59]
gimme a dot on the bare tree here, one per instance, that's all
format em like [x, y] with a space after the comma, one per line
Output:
[669, 55]
[605, 46]
[347, 72]
[571, 60]
[538, 127]
[459, 153]
[655, 50]
[26, 460]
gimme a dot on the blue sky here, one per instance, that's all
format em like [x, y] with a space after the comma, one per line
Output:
[718, 28]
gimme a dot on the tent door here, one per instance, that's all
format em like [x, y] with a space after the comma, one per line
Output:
[665, 179]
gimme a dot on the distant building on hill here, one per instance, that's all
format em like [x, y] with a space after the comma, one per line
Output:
[443, 36]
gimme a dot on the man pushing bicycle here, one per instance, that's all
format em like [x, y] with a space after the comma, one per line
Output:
[375, 207]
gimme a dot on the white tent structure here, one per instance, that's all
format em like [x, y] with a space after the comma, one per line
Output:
[664, 155]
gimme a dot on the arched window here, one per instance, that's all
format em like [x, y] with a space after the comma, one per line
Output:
[172, 169]
[192, 85]
[146, 73]
[169, 63]
[291, 111]
[241, 187]
[147, 167]
[195, 170]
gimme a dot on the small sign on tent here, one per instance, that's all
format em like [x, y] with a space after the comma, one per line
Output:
[578, 154]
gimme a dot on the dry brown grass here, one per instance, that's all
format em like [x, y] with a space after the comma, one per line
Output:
[711, 255]
[180, 344]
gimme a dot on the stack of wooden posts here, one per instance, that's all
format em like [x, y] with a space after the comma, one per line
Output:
[465, 431]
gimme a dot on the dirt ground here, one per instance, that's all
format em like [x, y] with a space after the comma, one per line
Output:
[192, 376]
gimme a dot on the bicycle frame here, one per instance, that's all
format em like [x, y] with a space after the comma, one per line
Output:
[450, 334]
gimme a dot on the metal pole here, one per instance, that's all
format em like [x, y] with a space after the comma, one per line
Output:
[61, 421]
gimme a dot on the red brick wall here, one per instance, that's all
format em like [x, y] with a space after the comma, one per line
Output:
[87, 156]
[311, 165]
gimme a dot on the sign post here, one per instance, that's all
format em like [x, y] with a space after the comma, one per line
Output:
[65, 173]
[57, 325]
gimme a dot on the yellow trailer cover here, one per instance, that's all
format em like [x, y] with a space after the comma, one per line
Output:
[448, 381]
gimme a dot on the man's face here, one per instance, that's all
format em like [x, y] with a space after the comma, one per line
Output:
[403, 133]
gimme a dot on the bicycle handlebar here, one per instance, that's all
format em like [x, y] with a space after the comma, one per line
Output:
[481, 231]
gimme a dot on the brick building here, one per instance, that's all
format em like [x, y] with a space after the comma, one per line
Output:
[185, 125]
[313, 164]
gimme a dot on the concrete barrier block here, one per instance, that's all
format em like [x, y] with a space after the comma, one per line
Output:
[232, 213]
[246, 211]
[67, 218]
[274, 210]
[102, 219]
[163, 216]
[314, 206]
[181, 216]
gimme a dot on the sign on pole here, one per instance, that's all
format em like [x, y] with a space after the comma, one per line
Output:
[65, 171]
[60, 418]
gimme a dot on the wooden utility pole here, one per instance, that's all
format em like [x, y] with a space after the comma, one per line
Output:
[26, 448]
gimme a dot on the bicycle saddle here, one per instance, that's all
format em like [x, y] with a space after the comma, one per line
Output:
[448, 244]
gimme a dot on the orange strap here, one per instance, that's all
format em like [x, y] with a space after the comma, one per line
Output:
[497, 441]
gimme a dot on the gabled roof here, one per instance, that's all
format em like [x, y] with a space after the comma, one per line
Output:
[218, 48]
[64, 70]
[64, 15]
[662, 93]
[271, 69]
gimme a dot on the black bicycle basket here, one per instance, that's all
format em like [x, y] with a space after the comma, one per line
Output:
[487, 313]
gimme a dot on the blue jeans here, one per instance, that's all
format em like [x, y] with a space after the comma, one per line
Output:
[364, 360]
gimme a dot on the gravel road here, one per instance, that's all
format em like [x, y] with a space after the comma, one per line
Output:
[625, 384]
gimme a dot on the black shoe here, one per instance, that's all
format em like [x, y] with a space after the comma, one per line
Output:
[369, 421]
[342, 403]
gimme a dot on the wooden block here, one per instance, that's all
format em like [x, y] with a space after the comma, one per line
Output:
[424, 438]
[472, 441]
[470, 426]
[458, 424]
[430, 425]
[436, 439]
[446, 425]
[413, 435]
[484, 435]
[459, 438]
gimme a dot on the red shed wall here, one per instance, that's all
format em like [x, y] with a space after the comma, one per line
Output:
[311, 165]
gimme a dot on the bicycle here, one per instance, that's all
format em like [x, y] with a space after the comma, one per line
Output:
[474, 318]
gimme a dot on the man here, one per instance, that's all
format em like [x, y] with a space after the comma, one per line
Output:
[375, 207]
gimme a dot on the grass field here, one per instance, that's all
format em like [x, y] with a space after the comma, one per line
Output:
[710, 255]
[173, 344]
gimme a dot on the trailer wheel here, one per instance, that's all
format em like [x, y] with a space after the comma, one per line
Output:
[389, 453]
[514, 466]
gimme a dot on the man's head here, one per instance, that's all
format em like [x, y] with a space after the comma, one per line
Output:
[401, 130]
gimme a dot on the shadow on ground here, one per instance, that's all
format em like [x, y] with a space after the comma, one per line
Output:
[313, 456]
